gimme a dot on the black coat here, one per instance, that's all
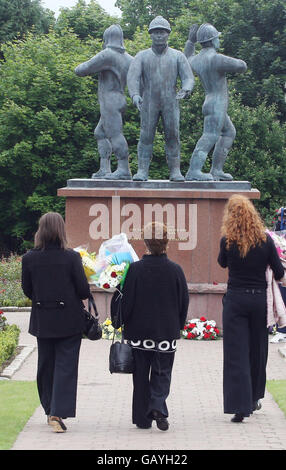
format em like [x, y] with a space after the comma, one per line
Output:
[55, 281]
[155, 299]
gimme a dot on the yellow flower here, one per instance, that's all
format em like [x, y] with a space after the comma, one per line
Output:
[107, 321]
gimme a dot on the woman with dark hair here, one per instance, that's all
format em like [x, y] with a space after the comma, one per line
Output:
[154, 308]
[54, 279]
[246, 250]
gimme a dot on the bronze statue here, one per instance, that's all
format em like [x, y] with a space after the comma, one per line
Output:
[151, 82]
[112, 65]
[219, 132]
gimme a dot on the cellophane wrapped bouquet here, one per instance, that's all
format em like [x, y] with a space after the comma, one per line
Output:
[108, 269]
[88, 261]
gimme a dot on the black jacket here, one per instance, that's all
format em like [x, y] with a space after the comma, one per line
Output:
[155, 299]
[55, 281]
[250, 271]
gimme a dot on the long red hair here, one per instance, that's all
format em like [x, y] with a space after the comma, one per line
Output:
[242, 225]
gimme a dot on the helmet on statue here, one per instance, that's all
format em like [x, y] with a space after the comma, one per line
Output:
[159, 23]
[207, 32]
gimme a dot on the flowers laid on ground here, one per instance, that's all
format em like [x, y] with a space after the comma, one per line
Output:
[200, 329]
[108, 331]
[109, 268]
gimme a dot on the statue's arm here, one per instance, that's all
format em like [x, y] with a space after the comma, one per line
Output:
[186, 76]
[98, 63]
[230, 65]
[189, 50]
[134, 76]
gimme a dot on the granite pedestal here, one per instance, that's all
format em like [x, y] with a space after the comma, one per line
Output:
[98, 209]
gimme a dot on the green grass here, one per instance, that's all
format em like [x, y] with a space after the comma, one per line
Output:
[18, 401]
[277, 388]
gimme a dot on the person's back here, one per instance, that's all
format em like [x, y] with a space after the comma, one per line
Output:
[53, 278]
[153, 306]
[249, 271]
[205, 66]
[155, 302]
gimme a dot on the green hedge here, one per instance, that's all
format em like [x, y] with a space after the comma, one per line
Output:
[9, 338]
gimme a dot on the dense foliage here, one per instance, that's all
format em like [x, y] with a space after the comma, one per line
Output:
[48, 114]
[17, 17]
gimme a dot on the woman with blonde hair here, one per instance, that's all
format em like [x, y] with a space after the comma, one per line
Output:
[246, 250]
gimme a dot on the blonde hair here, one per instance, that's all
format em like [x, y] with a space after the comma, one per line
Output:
[242, 224]
[156, 238]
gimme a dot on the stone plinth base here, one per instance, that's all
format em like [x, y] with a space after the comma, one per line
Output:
[192, 211]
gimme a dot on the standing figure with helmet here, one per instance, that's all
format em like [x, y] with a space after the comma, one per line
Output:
[112, 65]
[151, 80]
[219, 132]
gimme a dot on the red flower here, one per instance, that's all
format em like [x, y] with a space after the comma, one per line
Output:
[216, 330]
[208, 327]
[185, 327]
[1, 312]
[106, 286]
[207, 335]
[192, 325]
[113, 274]
[203, 319]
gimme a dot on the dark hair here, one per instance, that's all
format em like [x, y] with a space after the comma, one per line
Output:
[156, 238]
[51, 231]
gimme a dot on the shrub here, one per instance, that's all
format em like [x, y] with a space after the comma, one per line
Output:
[11, 294]
[9, 338]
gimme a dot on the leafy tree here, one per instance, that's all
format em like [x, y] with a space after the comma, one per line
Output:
[252, 30]
[140, 12]
[19, 16]
[85, 20]
[47, 117]
[48, 114]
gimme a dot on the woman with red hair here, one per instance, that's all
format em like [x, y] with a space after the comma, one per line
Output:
[246, 250]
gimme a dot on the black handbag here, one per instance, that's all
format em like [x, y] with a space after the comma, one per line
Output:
[92, 328]
[121, 355]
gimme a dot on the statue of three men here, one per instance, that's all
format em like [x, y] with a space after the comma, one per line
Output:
[151, 78]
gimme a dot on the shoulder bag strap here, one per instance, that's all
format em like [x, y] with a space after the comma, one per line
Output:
[92, 304]
[120, 317]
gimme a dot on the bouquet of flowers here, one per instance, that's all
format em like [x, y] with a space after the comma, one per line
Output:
[200, 329]
[108, 331]
[88, 261]
[112, 263]
[279, 239]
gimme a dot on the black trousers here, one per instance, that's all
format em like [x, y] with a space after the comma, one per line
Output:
[151, 384]
[245, 347]
[57, 374]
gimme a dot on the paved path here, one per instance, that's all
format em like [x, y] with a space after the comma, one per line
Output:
[197, 421]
